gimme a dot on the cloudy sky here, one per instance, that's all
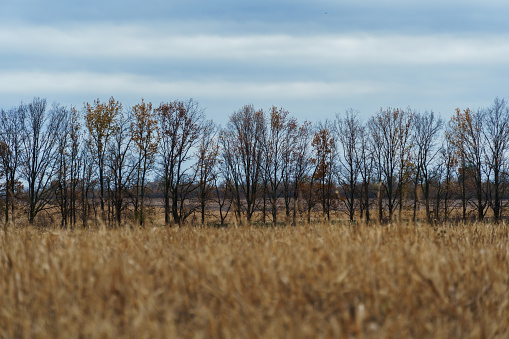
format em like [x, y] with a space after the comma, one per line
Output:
[314, 58]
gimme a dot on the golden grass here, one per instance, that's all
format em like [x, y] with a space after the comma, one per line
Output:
[395, 281]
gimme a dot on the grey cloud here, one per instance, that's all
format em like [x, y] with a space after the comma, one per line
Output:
[282, 16]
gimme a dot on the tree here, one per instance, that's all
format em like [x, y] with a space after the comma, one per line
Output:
[300, 163]
[390, 130]
[278, 146]
[467, 129]
[231, 172]
[348, 134]
[323, 157]
[11, 129]
[426, 129]
[40, 130]
[496, 133]
[454, 144]
[100, 120]
[75, 148]
[444, 174]
[87, 182]
[242, 144]
[366, 169]
[207, 158]
[180, 126]
[144, 133]
[405, 154]
[120, 162]
[67, 165]
[223, 193]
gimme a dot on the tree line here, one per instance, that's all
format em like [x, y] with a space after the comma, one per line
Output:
[108, 163]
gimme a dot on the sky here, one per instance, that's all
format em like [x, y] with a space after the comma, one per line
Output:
[314, 58]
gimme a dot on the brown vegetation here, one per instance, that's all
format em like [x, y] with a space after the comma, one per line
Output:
[322, 280]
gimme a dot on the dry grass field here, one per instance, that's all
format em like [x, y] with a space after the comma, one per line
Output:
[320, 281]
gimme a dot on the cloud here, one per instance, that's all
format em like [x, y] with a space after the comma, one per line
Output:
[271, 16]
[86, 83]
[305, 99]
[142, 43]
[312, 99]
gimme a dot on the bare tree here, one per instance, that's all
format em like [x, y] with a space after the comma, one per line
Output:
[207, 158]
[231, 171]
[390, 130]
[405, 155]
[87, 182]
[10, 154]
[300, 163]
[426, 129]
[67, 165]
[366, 169]
[444, 176]
[348, 134]
[278, 146]
[120, 161]
[496, 134]
[290, 145]
[40, 130]
[75, 148]
[454, 144]
[224, 191]
[144, 133]
[468, 138]
[223, 194]
[242, 143]
[180, 127]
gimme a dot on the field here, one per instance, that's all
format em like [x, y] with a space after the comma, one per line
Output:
[394, 281]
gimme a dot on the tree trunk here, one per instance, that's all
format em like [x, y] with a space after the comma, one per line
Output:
[7, 197]
[426, 199]
[416, 199]
[366, 200]
[496, 205]
[167, 203]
